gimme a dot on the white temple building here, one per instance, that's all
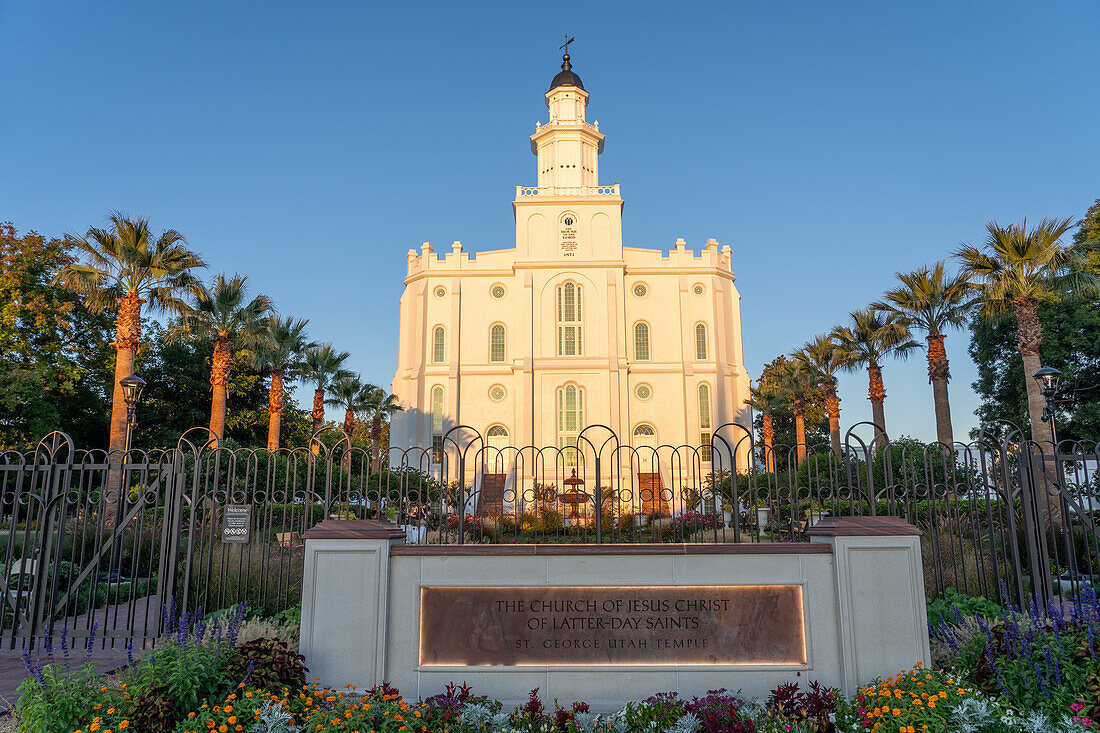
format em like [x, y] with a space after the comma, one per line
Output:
[531, 344]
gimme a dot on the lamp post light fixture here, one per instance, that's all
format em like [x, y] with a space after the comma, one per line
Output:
[1049, 380]
[132, 387]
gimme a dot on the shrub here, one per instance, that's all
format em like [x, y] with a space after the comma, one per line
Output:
[153, 711]
[379, 710]
[55, 697]
[814, 706]
[187, 661]
[236, 712]
[953, 605]
[266, 664]
[660, 711]
[916, 699]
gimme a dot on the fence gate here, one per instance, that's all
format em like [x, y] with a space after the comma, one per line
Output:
[88, 545]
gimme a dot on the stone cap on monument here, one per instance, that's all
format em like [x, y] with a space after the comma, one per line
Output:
[354, 529]
[862, 527]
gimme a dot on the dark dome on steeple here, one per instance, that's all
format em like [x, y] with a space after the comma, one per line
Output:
[566, 77]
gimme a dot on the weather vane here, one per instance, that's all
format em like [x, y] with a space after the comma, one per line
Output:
[565, 46]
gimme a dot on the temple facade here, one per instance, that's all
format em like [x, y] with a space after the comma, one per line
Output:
[569, 329]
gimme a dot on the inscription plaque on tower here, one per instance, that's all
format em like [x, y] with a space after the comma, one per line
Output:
[568, 236]
[647, 625]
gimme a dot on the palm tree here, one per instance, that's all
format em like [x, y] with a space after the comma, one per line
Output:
[872, 336]
[933, 301]
[1014, 271]
[822, 357]
[380, 405]
[222, 314]
[798, 382]
[280, 351]
[124, 268]
[324, 367]
[350, 393]
[767, 399]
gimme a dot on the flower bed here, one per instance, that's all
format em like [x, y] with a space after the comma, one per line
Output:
[1030, 670]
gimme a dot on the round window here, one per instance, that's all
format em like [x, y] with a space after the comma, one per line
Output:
[440, 292]
[640, 290]
[497, 291]
[497, 393]
[699, 289]
[643, 392]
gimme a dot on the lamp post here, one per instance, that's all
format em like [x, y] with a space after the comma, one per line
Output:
[1049, 380]
[131, 390]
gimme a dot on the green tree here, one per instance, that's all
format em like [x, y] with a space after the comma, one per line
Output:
[123, 268]
[281, 353]
[1016, 271]
[222, 315]
[54, 356]
[933, 301]
[871, 338]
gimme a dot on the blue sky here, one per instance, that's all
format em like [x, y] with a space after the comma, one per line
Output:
[310, 145]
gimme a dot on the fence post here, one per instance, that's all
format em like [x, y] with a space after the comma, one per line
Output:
[1042, 590]
[599, 503]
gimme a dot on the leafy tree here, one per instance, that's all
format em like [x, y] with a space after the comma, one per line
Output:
[870, 339]
[54, 355]
[1017, 270]
[221, 314]
[933, 301]
[1070, 329]
[125, 267]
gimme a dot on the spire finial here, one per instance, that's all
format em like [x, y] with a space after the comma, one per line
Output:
[565, 65]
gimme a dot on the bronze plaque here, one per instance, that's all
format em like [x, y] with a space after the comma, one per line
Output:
[651, 625]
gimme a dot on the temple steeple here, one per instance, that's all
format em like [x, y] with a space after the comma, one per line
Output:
[567, 146]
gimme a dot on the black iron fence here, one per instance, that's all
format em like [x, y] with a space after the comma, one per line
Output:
[97, 544]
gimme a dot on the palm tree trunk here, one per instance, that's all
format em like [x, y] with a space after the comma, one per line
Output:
[275, 409]
[318, 409]
[938, 374]
[800, 433]
[832, 408]
[219, 380]
[127, 342]
[876, 393]
[1029, 336]
[767, 432]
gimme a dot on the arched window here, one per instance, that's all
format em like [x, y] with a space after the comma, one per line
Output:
[700, 341]
[437, 424]
[439, 345]
[496, 343]
[704, 423]
[497, 431]
[570, 420]
[570, 315]
[641, 341]
[644, 431]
